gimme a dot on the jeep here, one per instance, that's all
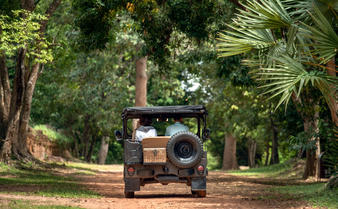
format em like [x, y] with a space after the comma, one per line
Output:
[164, 159]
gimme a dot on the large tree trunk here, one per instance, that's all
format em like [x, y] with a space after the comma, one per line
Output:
[229, 155]
[5, 97]
[26, 108]
[252, 145]
[11, 144]
[274, 152]
[15, 103]
[103, 150]
[140, 87]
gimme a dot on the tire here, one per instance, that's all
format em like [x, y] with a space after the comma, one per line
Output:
[199, 193]
[129, 194]
[184, 149]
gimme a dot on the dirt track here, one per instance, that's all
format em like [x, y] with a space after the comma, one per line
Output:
[223, 191]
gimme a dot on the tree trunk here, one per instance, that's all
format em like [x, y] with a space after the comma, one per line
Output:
[5, 97]
[229, 155]
[331, 65]
[90, 151]
[251, 152]
[141, 82]
[312, 166]
[86, 135]
[274, 151]
[15, 103]
[26, 108]
[103, 150]
[140, 87]
[267, 151]
[11, 144]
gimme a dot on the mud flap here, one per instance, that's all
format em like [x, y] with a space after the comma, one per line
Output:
[131, 185]
[198, 184]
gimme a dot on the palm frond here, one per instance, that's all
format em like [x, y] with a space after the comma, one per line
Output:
[323, 36]
[241, 41]
[299, 9]
[264, 14]
[290, 76]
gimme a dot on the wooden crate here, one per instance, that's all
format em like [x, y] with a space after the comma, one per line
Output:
[155, 142]
[154, 155]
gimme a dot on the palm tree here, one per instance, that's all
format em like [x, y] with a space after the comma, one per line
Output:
[293, 45]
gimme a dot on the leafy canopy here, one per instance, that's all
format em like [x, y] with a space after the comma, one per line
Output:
[22, 30]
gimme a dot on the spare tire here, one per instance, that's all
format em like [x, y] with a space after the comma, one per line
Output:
[184, 149]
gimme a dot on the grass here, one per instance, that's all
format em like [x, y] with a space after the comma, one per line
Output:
[266, 171]
[314, 193]
[52, 134]
[19, 204]
[41, 182]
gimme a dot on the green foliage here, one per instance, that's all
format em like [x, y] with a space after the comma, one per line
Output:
[330, 146]
[22, 31]
[192, 17]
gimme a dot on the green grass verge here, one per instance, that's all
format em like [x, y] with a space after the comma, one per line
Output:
[313, 193]
[19, 204]
[41, 182]
[266, 171]
[52, 134]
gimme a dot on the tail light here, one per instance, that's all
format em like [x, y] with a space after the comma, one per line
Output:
[200, 169]
[131, 171]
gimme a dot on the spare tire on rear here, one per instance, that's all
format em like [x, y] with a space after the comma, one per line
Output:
[184, 149]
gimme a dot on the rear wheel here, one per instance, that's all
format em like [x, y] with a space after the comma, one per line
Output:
[199, 193]
[128, 194]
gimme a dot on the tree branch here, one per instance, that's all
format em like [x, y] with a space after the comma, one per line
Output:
[51, 9]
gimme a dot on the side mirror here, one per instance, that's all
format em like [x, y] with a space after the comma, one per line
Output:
[118, 135]
[206, 133]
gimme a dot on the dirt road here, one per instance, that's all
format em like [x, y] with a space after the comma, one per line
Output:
[223, 191]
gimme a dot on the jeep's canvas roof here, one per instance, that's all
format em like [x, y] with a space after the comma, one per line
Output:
[165, 111]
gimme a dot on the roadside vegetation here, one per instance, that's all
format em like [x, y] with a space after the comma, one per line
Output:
[29, 179]
[288, 184]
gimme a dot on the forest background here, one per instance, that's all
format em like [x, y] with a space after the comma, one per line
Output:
[72, 66]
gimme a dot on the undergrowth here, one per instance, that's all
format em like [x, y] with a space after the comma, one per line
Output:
[52, 134]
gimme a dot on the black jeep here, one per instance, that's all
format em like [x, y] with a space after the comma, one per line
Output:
[164, 159]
